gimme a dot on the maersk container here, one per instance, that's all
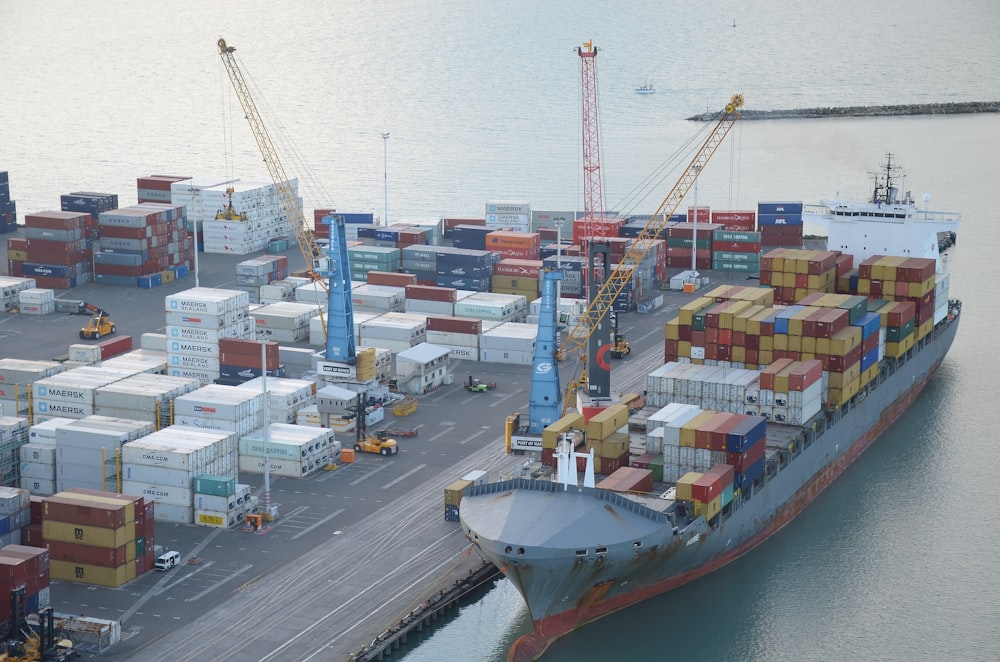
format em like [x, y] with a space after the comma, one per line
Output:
[207, 301]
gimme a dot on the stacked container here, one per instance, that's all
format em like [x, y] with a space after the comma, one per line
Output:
[420, 261]
[736, 250]
[494, 307]
[293, 451]
[430, 300]
[28, 568]
[58, 250]
[791, 392]
[218, 407]
[162, 466]
[36, 301]
[780, 223]
[15, 514]
[156, 188]
[285, 396]
[257, 272]
[512, 214]
[285, 321]
[903, 279]
[377, 298]
[70, 394]
[90, 203]
[88, 450]
[464, 269]
[96, 537]
[394, 331]
[8, 208]
[472, 237]
[142, 397]
[220, 502]
[510, 342]
[607, 435]
[741, 221]
[196, 319]
[142, 245]
[259, 215]
[460, 335]
[685, 239]
[38, 460]
[572, 269]
[13, 435]
[372, 258]
[11, 286]
[795, 273]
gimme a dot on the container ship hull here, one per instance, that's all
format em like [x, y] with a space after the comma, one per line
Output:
[580, 553]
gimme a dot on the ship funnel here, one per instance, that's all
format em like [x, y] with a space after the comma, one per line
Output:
[893, 193]
[566, 473]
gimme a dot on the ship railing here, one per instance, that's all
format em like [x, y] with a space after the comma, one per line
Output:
[610, 496]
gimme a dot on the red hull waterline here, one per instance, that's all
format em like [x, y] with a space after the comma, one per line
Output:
[531, 646]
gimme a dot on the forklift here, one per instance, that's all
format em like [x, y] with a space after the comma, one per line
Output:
[620, 347]
[380, 442]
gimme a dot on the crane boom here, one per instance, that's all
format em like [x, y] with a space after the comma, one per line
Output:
[616, 281]
[290, 202]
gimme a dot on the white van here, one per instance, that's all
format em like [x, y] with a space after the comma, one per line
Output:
[167, 561]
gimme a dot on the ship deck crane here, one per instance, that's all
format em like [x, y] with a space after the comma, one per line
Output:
[332, 270]
[546, 403]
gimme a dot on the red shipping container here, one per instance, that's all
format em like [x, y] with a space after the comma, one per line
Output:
[707, 487]
[63, 507]
[768, 373]
[17, 244]
[703, 436]
[831, 321]
[741, 461]
[57, 220]
[670, 352]
[391, 279]
[247, 346]
[518, 268]
[123, 232]
[608, 465]
[115, 346]
[628, 479]
[704, 214]
[804, 374]
[467, 325]
[431, 293]
[99, 556]
[724, 470]
[35, 508]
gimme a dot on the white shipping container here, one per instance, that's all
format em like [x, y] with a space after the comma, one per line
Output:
[428, 307]
[277, 467]
[223, 504]
[204, 376]
[461, 353]
[39, 486]
[61, 408]
[196, 321]
[153, 341]
[506, 356]
[453, 339]
[40, 452]
[159, 492]
[159, 476]
[84, 353]
[38, 470]
[176, 514]
[207, 301]
[510, 336]
[241, 329]
[220, 402]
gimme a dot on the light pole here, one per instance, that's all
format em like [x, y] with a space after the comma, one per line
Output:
[385, 175]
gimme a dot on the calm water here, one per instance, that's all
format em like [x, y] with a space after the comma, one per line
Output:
[897, 559]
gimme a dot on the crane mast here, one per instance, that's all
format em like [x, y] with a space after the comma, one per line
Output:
[603, 300]
[290, 202]
[593, 186]
[330, 271]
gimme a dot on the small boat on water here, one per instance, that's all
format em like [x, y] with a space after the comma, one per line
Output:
[645, 88]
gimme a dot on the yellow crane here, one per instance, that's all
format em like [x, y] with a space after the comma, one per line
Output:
[602, 302]
[290, 202]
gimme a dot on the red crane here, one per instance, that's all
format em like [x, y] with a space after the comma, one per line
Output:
[593, 185]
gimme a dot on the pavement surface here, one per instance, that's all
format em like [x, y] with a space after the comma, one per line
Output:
[353, 549]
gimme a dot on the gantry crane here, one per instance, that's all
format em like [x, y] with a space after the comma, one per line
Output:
[332, 270]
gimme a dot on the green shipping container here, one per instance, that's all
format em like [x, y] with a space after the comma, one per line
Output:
[277, 246]
[140, 546]
[215, 485]
[685, 242]
[898, 333]
[733, 256]
[724, 265]
[856, 307]
[737, 235]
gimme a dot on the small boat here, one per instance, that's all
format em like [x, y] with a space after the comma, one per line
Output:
[645, 88]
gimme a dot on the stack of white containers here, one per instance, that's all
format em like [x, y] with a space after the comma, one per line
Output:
[493, 306]
[13, 435]
[263, 217]
[429, 307]
[511, 342]
[162, 467]
[277, 291]
[70, 394]
[196, 319]
[461, 346]
[394, 331]
[317, 335]
[217, 407]
[36, 301]
[285, 321]
[139, 361]
[83, 354]
[16, 378]
[285, 396]
[378, 298]
[15, 507]
[218, 510]
[38, 458]
[712, 387]
[142, 397]
[293, 451]
[87, 450]
[314, 293]
[10, 289]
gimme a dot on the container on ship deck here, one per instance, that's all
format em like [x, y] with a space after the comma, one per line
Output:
[684, 485]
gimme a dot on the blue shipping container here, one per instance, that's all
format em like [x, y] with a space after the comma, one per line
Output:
[869, 359]
[149, 282]
[779, 208]
[869, 323]
[54, 270]
[749, 475]
[779, 219]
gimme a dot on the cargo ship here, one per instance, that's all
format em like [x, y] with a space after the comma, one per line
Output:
[727, 466]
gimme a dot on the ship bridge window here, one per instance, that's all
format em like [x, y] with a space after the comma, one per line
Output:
[601, 550]
[637, 544]
[581, 552]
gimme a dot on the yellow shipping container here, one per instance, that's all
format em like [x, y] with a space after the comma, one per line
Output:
[21, 256]
[720, 292]
[839, 396]
[897, 349]
[672, 329]
[842, 379]
[808, 345]
[734, 307]
[613, 446]
[844, 341]
[166, 276]
[453, 493]
[688, 429]
[795, 343]
[607, 422]
[708, 510]
[684, 483]
[571, 421]
[864, 286]
[95, 575]
[738, 353]
[780, 342]
[925, 328]
[687, 311]
[868, 376]
[684, 348]
[741, 319]
[765, 356]
[753, 324]
[88, 535]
